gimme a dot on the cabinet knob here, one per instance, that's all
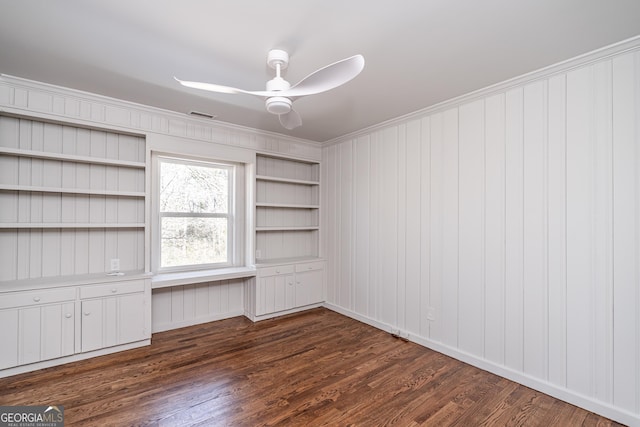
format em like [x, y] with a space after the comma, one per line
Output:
[310, 268]
[68, 315]
[114, 290]
[86, 313]
[36, 299]
[277, 271]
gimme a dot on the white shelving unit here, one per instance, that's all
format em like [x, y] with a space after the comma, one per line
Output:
[289, 272]
[72, 199]
[287, 209]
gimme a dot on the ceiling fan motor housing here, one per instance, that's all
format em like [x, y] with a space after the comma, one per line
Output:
[278, 104]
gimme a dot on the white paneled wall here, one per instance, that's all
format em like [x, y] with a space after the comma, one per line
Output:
[504, 230]
[180, 306]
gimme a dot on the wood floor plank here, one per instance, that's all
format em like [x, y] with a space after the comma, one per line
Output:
[312, 368]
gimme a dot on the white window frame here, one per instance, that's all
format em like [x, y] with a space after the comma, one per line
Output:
[232, 217]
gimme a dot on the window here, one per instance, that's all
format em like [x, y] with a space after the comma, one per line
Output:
[196, 214]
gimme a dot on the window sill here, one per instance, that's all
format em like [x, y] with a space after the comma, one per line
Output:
[166, 280]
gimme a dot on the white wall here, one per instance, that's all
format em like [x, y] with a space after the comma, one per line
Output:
[513, 217]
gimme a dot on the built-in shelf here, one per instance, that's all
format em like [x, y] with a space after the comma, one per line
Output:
[74, 196]
[301, 228]
[286, 205]
[287, 209]
[70, 158]
[69, 225]
[9, 187]
[286, 180]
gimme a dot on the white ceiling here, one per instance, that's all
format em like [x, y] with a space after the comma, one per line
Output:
[417, 52]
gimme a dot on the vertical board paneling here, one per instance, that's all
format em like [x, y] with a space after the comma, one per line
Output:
[330, 208]
[557, 231]
[388, 226]
[449, 309]
[401, 290]
[626, 237]
[191, 304]
[602, 256]
[535, 230]
[494, 223]
[580, 230]
[425, 225]
[374, 215]
[413, 228]
[471, 228]
[436, 217]
[361, 224]
[514, 244]
[345, 155]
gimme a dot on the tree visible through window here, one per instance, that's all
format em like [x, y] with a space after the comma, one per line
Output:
[195, 213]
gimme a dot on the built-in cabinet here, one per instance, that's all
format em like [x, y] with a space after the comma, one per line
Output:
[289, 271]
[112, 314]
[287, 287]
[36, 325]
[51, 321]
[72, 210]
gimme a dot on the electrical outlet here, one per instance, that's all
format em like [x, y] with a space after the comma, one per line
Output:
[431, 313]
[115, 264]
[258, 254]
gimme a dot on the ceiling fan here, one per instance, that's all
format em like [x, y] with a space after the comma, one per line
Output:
[280, 95]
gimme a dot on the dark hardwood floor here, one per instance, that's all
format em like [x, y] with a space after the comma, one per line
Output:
[312, 368]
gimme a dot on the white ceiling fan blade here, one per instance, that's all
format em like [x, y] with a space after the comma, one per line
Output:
[327, 78]
[210, 87]
[290, 120]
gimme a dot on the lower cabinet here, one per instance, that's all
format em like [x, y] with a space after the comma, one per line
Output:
[36, 326]
[51, 323]
[114, 315]
[287, 287]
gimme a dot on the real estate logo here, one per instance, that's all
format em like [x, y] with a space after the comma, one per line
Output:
[31, 416]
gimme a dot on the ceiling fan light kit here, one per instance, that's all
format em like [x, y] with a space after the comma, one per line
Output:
[278, 105]
[279, 94]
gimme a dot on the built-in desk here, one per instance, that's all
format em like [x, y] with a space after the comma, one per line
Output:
[166, 280]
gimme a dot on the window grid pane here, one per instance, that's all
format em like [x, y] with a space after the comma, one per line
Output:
[195, 214]
[194, 188]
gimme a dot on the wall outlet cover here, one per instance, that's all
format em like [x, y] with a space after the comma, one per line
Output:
[115, 264]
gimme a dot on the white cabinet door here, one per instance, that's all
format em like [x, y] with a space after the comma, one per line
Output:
[275, 293]
[35, 333]
[308, 287]
[112, 321]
